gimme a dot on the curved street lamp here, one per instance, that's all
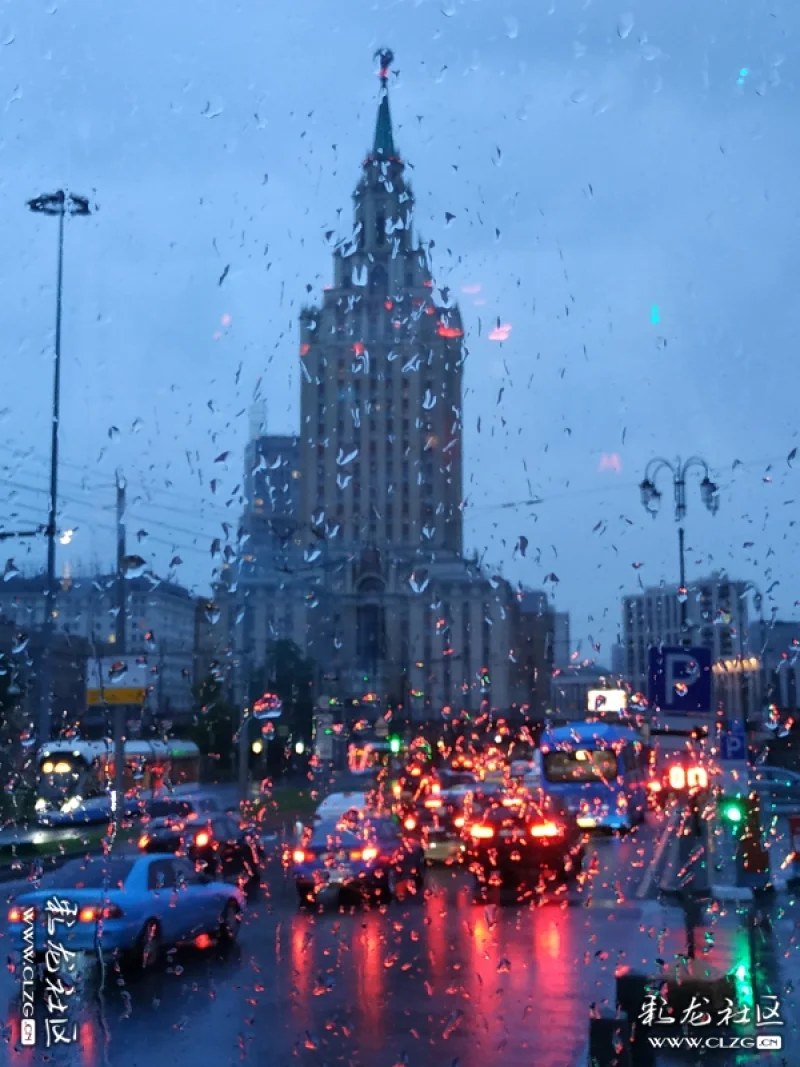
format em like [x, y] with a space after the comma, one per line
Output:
[651, 500]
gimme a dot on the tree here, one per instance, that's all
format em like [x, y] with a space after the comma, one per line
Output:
[290, 675]
[215, 721]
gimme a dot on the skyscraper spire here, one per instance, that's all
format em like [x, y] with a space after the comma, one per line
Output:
[383, 144]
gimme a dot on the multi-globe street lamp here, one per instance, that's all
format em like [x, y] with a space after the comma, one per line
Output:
[60, 204]
[651, 499]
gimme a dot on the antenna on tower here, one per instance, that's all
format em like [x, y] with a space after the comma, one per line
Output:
[258, 419]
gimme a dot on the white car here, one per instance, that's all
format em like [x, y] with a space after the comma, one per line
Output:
[338, 804]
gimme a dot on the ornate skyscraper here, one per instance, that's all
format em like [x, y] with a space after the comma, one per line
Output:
[377, 591]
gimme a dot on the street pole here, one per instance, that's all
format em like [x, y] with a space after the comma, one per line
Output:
[119, 711]
[683, 593]
[59, 204]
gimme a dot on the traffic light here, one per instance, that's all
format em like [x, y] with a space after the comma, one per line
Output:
[394, 745]
[733, 811]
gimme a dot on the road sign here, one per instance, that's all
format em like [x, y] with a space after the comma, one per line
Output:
[733, 743]
[130, 695]
[679, 680]
[116, 680]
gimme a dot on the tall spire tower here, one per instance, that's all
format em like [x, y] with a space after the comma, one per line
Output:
[382, 365]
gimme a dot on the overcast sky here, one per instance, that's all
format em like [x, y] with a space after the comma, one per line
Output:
[624, 181]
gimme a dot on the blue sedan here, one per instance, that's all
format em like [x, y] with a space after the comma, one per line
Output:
[128, 906]
[372, 857]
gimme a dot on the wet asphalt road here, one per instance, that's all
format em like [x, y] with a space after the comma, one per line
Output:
[436, 983]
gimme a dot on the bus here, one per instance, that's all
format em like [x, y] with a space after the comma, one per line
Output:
[601, 770]
[71, 772]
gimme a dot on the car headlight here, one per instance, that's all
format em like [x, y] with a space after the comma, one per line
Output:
[40, 805]
[71, 805]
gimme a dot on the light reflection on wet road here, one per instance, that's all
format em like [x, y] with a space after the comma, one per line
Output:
[439, 982]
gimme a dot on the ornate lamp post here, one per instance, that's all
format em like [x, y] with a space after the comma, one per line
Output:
[651, 499]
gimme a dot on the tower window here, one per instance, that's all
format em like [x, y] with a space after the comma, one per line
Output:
[380, 228]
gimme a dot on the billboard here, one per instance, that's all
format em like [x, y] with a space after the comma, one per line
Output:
[611, 700]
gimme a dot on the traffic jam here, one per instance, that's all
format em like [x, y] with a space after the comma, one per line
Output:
[513, 816]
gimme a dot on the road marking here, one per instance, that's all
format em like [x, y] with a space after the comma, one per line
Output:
[655, 863]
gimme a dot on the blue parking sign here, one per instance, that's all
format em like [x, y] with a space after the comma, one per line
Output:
[679, 680]
[733, 742]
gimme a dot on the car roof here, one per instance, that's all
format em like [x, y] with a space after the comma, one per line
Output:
[343, 801]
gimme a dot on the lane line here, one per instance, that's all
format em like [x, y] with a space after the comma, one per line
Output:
[646, 882]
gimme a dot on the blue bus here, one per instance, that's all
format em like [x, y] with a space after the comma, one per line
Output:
[600, 770]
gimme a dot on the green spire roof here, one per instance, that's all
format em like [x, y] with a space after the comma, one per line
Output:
[384, 141]
[383, 144]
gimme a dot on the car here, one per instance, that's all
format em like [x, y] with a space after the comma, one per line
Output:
[525, 844]
[375, 859]
[215, 843]
[180, 804]
[338, 804]
[129, 907]
[437, 821]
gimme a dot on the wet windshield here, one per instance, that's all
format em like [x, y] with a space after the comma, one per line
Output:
[395, 394]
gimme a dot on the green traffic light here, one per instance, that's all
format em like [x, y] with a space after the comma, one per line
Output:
[394, 744]
[732, 812]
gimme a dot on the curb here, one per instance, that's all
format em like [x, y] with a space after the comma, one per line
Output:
[661, 847]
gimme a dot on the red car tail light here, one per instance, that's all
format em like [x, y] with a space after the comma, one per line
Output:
[458, 821]
[144, 841]
[546, 829]
[483, 833]
[91, 913]
[202, 838]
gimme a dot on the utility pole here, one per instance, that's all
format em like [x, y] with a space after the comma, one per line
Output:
[59, 204]
[120, 710]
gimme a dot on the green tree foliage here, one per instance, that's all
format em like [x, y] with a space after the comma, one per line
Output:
[215, 721]
[290, 675]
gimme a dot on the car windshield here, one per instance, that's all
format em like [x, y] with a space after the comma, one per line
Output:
[332, 832]
[177, 808]
[582, 765]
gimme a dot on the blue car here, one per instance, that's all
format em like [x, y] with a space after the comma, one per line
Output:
[372, 857]
[131, 907]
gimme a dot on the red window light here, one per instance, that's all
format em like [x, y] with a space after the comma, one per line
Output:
[202, 839]
[697, 778]
[305, 349]
[369, 853]
[299, 855]
[15, 915]
[677, 777]
[144, 841]
[410, 824]
[449, 331]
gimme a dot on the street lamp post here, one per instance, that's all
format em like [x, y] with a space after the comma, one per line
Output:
[59, 204]
[651, 498]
